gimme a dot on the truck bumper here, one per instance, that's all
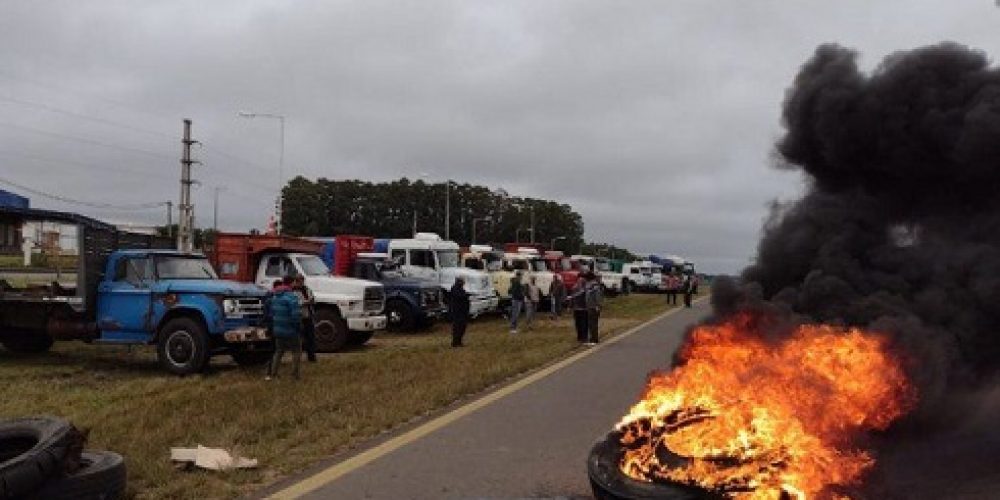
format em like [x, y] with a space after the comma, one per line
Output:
[246, 334]
[366, 323]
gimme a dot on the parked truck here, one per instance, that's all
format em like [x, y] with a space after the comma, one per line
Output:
[348, 311]
[612, 282]
[427, 256]
[410, 303]
[644, 276]
[128, 288]
[532, 265]
[486, 258]
[560, 264]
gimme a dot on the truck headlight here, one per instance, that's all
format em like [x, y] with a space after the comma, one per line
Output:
[230, 307]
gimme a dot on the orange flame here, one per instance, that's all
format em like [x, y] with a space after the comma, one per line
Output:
[754, 420]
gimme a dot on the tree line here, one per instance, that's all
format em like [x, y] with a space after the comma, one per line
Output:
[401, 207]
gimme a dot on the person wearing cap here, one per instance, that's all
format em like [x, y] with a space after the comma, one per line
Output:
[286, 325]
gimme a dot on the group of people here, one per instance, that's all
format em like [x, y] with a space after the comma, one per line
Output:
[686, 285]
[290, 314]
[585, 298]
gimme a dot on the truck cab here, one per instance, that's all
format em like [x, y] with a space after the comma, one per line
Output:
[485, 258]
[348, 311]
[643, 275]
[532, 265]
[559, 264]
[410, 303]
[427, 256]
[612, 282]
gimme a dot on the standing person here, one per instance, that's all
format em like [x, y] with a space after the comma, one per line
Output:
[594, 298]
[286, 323]
[307, 303]
[531, 300]
[673, 285]
[458, 304]
[557, 294]
[579, 300]
[687, 287]
[516, 300]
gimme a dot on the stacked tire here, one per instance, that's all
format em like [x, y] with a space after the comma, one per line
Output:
[43, 458]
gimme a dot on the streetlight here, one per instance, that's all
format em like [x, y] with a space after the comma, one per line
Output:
[552, 245]
[447, 206]
[474, 221]
[281, 162]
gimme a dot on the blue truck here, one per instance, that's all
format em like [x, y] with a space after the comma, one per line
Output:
[127, 288]
[410, 303]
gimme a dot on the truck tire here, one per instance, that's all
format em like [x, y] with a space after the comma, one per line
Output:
[182, 346]
[332, 334]
[101, 476]
[24, 342]
[360, 338]
[251, 358]
[399, 316]
[33, 450]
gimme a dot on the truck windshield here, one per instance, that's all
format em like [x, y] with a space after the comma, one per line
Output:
[519, 265]
[539, 265]
[565, 264]
[493, 262]
[312, 266]
[447, 258]
[603, 266]
[184, 268]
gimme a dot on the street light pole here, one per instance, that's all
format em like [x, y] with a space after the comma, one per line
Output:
[447, 210]
[278, 202]
[474, 221]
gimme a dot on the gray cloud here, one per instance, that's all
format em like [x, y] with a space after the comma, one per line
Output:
[654, 119]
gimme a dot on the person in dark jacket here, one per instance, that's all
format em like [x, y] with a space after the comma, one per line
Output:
[306, 302]
[579, 301]
[516, 299]
[557, 296]
[286, 325]
[458, 305]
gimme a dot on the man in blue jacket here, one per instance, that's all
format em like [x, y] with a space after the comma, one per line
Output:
[286, 325]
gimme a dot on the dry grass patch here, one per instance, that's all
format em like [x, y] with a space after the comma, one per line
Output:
[132, 407]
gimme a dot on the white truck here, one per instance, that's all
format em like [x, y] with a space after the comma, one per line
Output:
[348, 311]
[531, 264]
[485, 258]
[613, 283]
[644, 275]
[427, 256]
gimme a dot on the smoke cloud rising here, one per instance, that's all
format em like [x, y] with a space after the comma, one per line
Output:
[899, 231]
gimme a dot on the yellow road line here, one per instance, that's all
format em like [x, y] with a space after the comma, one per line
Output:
[339, 469]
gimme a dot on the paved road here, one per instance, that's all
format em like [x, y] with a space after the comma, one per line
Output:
[532, 443]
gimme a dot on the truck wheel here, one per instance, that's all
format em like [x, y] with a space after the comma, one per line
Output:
[27, 342]
[331, 331]
[101, 476]
[360, 338]
[182, 348]
[399, 315]
[251, 358]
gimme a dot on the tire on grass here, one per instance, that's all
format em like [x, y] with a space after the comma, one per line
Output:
[101, 476]
[182, 346]
[27, 342]
[33, 450]
[331, 330]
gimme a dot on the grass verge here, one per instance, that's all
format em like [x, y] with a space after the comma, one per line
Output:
[132, 407]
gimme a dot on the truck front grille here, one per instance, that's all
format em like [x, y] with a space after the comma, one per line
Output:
[374, 299]
[249, 307]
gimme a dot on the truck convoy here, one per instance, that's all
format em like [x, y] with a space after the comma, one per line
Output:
[409, 302]
[128, 288]
[348, 311]
[429, 257]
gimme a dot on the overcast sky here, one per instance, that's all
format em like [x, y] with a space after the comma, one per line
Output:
[654, 120]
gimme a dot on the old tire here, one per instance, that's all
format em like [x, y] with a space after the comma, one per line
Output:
[360, 338]
[251, 358]
[182, 346]
[24, 342]
[32, 450]
[101, 476]
[331, 330]
[399, 316]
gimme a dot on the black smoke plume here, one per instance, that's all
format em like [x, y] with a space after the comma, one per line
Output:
[899, 231]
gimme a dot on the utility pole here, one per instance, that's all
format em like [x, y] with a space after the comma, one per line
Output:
[185, 219]
[447, 210]
[414, 222]
[215, 211]
[532, 223]
[170, 219]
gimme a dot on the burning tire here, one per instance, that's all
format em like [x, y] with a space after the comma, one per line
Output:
[609, 483]
[32, 450]
[101, 476]
[332, 334]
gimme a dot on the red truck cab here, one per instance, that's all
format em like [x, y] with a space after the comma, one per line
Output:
[560, 264]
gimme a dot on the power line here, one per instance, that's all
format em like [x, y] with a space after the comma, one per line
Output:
[87, 141]
[81, 116]
[138, 206]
